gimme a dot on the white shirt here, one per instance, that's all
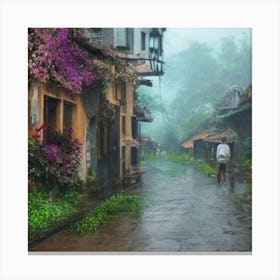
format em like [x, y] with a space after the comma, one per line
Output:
[223, 152]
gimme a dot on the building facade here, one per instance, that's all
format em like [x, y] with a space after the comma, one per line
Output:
[105, 122]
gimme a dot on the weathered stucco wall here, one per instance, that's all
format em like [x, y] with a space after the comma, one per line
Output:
[36, 96]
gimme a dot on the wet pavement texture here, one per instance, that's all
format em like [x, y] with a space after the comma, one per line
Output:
[186, 212]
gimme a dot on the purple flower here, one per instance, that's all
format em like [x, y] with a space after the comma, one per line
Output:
[54, 55]
[51, 152]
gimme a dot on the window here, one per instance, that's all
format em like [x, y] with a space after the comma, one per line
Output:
[122, 38]
[67, 115]
[95, 35]
[134, 156]
[123, 92]
[134, 127]
[123, 126]
[50, 111]
[143, 41]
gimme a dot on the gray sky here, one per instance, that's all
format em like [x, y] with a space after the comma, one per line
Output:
[176, 39]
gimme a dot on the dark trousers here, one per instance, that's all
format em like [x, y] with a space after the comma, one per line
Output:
[222, 168]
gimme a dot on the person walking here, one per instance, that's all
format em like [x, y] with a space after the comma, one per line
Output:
[223, 157]
[158, 149]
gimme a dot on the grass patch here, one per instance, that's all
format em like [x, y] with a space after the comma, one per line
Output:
[204, 167]
[105, 211]
[181, 158]
[42, 214]
[245, 198]
[200, 165]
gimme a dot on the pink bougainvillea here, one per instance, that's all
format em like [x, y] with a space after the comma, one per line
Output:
[54, 159]
[54, 56]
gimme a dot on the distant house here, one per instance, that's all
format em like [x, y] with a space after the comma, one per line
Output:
[203, 145]
[233, 98]
[213, 141]
[198, 138]
[239, 118]
[236, 114]
[147, 146]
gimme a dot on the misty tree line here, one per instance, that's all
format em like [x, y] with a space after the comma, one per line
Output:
[197, 79]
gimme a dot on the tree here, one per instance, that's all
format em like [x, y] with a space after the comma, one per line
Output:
[198, 78]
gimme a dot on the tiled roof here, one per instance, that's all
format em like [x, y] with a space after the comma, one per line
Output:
[201, 135]
[218, 137]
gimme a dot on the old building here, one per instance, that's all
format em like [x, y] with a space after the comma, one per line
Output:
[141, 49]
[189, 144]
[211, 143]
[203, 145]
[237, 114]
[104, 119]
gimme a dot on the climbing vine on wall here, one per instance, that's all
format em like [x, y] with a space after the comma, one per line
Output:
[54, 57]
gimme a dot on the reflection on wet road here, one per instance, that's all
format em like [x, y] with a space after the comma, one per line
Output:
[185, 212]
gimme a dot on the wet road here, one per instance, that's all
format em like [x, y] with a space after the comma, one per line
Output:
[186, 212]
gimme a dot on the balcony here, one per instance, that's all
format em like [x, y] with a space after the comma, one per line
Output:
[143, 115]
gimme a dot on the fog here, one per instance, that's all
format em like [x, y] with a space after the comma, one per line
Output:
[200, 66]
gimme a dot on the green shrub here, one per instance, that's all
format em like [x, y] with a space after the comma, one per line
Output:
[42, 214]
[93, 186]
[245, 198]
[204, 167]
[71, 196]
[103, 213]
[246, 155]
[184, 158]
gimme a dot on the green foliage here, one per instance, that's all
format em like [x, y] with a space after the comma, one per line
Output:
[197, 79]
[55, 160]
[71, 195]
[204, 167]
[33, 167]
[245, 198]
[145, 99]
[184, 158]
[247, 148]
[246, 164]
[103, 213]
[177, 158]
[93, 186]
[246, 155]
[42, 214]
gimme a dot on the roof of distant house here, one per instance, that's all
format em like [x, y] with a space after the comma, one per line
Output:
[201, 135]
[218, 137]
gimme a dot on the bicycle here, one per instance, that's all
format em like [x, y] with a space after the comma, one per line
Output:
[222, 177]
[222, 173]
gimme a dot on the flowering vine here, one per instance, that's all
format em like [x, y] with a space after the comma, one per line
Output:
[53, 56]
[54, 159]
